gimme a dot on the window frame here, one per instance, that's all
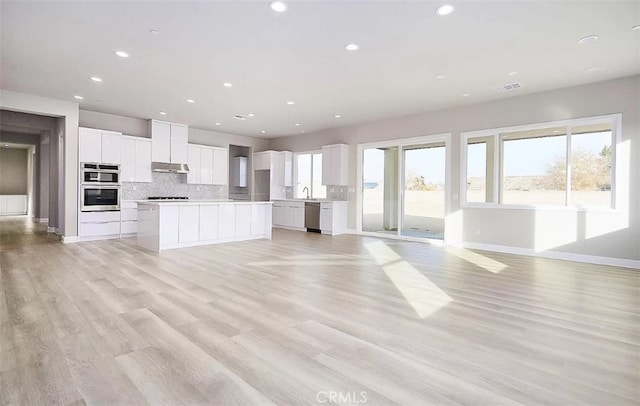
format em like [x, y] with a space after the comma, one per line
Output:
[614, 120]
[295, 172]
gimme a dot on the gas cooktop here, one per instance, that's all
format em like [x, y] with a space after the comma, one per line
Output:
[167, 198]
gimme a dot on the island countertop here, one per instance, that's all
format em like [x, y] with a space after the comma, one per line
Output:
[197, 202]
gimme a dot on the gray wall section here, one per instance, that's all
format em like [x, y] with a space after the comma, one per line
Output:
[516, 228]
[14, 171]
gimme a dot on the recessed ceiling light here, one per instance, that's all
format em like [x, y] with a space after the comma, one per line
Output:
[78, 97]
[589, 39]
[352, 47]
[466, 94]
[218, 123]
[227, 84]
[445, 10]
[290, 103]
[440, 77]
[251, 115]
[337, 116]
[593, 69]
[121, 54]
[302, 131]
[263, 132]
[162, 113]
[513, 73]
[278, 6]
[154, 32]
[190, 101]
[95, 79]
[636, 27]
[296, 124]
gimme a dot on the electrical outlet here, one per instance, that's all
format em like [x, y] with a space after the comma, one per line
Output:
[198, 188]
[134, 187]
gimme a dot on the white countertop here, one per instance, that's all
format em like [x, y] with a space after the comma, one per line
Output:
[195, 202]
[310, 200]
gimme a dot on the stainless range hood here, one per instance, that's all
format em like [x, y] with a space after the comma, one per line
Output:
[169, 167]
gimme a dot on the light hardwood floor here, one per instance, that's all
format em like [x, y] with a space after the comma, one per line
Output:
[290, 320]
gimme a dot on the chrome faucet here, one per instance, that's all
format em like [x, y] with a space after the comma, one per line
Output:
[307, 189]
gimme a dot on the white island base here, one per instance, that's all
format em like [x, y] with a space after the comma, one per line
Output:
[177, 224]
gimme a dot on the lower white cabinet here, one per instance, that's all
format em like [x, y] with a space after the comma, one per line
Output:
[288, 214]
[128, 217]
[189, 224]
[226, 220]
[99, 224]
[208, 222]
[13, 204]
[169, 225]
[333, 217]
[172, 225]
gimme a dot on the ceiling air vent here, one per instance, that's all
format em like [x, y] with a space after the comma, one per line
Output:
[509, 87]
[239, 117]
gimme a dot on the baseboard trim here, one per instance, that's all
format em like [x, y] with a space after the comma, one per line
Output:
[69, 239]
[42, 220]
[52, 230]
[566, 256]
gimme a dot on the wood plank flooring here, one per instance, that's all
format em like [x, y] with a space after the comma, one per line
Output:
[303, 317]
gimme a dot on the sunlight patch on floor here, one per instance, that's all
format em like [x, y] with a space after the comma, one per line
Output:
[482, 261]
[423, 295]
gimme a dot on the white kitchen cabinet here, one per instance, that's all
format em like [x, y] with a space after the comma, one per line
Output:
[103, 224]
[111, 147]
[90, 145]
[193, 177]
[220, 175]
[99, 146]
[128, 166]
[243, 220]
[169, 142]
[143, 160]
[288, 214]
[136, 159]
[333, 217]
[226, 221]
[206, 166]
[169, 225]
[128, 217]
[286, 173]
[189, 224]
[179, 142]
[208, 222]
[13, 204]
[261, 161]
[258, 219]
[335, 164]
[160, 141]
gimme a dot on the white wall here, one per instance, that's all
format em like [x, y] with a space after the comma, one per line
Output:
[68, 112]
[615, 235]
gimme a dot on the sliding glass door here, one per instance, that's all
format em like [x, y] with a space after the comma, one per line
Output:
[423, 192]
[403, 186]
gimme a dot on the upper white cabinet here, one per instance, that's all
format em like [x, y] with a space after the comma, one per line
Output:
[207, 165]
[335, 164]
[220, 166]
[193, 161]
[136, 159]
[169, 142]
[280, 163]
[99, 146]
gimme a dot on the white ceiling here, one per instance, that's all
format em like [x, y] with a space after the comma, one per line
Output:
[52, 48]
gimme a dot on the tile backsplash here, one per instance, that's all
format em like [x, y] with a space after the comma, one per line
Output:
[335, 192]
[172, 184]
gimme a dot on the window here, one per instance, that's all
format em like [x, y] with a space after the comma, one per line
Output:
[541, 165]
[309, 176]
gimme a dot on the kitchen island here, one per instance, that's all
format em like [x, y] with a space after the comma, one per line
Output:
[166, 225]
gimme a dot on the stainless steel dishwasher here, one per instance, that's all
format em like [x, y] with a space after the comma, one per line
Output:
[312, 216]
